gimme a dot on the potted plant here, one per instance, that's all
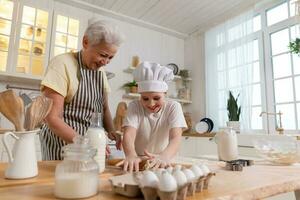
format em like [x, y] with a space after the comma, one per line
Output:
[234, 112]
[132, 86]
[295, 46]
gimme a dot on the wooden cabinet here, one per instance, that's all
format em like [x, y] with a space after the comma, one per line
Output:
[32, 38]
[32, 32]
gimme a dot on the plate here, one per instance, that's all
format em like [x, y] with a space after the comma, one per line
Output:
[209, 122]
[201, 127]
[173, 67]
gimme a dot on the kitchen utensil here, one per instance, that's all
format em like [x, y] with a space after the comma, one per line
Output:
[37, 111]
[22, 157]
[12, 107]
[26, 99]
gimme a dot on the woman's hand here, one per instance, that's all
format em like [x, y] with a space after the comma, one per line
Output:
[131, 163]
[157, 161]
[117, 137]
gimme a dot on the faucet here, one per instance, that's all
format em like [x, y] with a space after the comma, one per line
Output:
[278, 128]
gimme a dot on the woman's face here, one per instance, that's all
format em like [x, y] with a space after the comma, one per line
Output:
[99, 55]
[153, 101]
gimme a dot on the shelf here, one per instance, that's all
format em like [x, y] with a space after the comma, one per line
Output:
[137, 96]
[176, 77]
[129, 70]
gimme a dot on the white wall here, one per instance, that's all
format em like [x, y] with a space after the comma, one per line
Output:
[194, 56]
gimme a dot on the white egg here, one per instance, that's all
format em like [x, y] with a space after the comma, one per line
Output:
[170, 169]
[149, 179]
[159, 171]
[205, 169]
[180, 177]
[167, 182]
[189, 174]
[197, 171]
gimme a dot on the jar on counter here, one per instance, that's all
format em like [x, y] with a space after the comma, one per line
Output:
[77, 175]
[227, 145]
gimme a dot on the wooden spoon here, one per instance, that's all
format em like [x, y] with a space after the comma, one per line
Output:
[12, 107]
[36, 112]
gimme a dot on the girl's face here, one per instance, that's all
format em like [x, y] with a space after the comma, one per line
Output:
[153, 101]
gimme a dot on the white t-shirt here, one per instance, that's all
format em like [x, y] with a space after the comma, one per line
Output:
[153, 128]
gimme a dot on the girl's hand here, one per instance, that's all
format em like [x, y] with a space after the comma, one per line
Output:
[131, 163]
[157, 161]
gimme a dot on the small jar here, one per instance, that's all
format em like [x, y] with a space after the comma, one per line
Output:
[77, 175]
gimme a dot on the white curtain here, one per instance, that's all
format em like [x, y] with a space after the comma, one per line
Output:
[229, 54]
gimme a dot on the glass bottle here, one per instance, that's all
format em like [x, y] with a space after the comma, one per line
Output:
[77, 175]
[97, 137]
[227, 144]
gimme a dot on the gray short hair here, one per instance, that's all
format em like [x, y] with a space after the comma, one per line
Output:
[102, 30]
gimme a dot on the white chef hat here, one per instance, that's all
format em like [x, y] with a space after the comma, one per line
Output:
[152, 77]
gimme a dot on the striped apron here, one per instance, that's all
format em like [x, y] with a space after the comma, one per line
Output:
[77, 113]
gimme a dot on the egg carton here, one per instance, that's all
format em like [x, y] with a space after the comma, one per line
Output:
[144, 183]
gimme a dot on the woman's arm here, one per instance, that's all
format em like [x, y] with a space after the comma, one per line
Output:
[132, 160]
[55, 119]
[108, 123]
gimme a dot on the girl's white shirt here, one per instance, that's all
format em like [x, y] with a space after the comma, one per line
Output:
[153, 128]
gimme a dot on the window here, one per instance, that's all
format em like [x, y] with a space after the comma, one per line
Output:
[6, 11]
[32, 43]
[249, 55]
[66, 35]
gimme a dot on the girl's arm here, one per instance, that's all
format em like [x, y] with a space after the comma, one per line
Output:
[132, 160]
[163, 159]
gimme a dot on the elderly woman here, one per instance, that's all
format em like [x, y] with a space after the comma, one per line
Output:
[78, 87]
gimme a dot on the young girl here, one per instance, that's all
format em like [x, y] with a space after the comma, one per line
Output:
[153, 125]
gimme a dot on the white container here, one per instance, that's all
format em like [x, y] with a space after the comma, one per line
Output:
[76, 185]
[22, 157]
[227, 144]
[97, 137]
[76, 176]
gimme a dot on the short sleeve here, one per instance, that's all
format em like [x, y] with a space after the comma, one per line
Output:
[132, 116]
[105, 83]
[56, 77]
[176, 118]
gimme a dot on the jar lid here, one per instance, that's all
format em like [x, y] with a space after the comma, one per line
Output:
[80, 145]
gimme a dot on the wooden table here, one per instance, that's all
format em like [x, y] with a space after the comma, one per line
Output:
[254, 182]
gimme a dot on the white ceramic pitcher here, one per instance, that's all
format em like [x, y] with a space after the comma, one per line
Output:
[22, 157]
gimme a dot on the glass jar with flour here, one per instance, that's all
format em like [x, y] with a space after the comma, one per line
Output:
[227, 145]
[77, 175]
[98, 139]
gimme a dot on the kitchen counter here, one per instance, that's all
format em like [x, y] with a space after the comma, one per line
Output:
[254, 182]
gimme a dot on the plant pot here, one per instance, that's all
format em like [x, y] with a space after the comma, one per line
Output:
[235, 125]
[133, 89]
